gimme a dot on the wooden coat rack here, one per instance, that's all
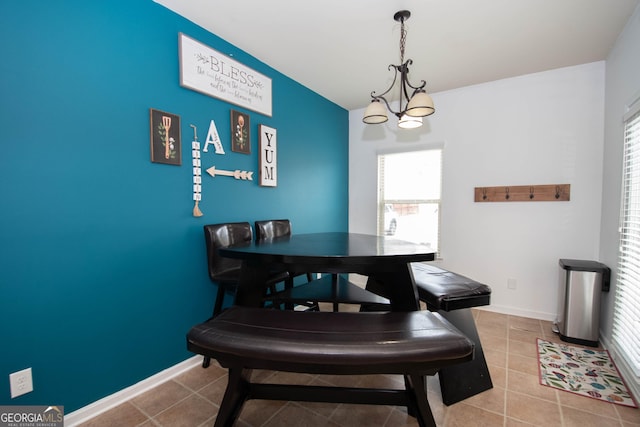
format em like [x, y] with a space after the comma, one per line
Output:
[524, 193]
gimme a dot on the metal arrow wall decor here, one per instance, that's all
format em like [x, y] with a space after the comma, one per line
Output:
[237, 174]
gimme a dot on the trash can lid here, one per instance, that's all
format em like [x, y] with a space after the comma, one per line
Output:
[583, 265]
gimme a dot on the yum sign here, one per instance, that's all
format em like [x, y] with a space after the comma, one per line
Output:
[268, 156]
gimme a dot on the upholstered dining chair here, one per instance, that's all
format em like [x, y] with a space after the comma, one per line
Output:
[272, 228]
[278, 228]
[275, 228]
[225, 272]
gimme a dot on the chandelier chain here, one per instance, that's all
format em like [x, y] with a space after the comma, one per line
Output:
[403, 41]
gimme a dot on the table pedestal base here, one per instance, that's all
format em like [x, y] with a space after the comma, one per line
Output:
[467, 379]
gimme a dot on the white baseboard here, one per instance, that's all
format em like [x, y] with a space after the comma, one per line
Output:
[96, 408]
[519, 312]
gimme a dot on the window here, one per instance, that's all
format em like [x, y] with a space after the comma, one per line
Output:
[626, 321]
[409, 186]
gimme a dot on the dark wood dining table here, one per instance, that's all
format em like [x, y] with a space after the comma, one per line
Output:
[386, 259]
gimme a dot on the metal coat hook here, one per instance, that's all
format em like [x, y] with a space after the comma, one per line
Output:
[484, 194]
[531, 189]
[557, 191]
[507, 193]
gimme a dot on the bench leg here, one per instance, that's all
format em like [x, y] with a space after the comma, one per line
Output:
[467, 379]
[235, 395]
[418, 405]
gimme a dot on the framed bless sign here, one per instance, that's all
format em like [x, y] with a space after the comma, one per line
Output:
[268, 164]
[207, 71]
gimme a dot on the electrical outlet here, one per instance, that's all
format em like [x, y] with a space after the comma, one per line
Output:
[511, 284]
[21, 382]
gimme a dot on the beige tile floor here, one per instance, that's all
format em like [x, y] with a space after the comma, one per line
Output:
[517, 398]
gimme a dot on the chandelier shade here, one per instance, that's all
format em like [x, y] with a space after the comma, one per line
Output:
[420, 105]
[375, 113]
[414, 100]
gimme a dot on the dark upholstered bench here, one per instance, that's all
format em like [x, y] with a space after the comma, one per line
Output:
[451, 295]
[443, 290]
[413, 344]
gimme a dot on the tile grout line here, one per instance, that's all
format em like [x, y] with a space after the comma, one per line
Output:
[506, 373]
[562, 423]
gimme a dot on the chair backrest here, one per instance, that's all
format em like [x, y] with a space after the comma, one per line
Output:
[223, 236]
[272, 228]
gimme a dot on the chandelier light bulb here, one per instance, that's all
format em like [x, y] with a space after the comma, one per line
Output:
[409, 122]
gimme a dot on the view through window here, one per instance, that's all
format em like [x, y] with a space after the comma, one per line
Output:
[626, 321]
[409, 187]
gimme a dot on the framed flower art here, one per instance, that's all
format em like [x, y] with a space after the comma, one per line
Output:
[240, 132]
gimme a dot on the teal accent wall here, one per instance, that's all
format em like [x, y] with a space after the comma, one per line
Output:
[102, 265]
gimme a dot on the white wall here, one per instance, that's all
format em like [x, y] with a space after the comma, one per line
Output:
[544, 128]
[622, 88]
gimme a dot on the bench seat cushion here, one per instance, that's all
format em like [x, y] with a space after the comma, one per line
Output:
[444, 290]
[327, 342]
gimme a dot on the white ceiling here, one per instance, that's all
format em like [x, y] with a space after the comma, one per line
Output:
[341, 48]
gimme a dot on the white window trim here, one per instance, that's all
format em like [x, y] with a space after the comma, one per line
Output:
[407, 148]
[627, 299]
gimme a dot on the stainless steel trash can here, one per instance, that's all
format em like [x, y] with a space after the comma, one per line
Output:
[581, 283]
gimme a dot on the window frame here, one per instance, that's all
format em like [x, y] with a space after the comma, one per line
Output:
[626, 310]
[381, 202]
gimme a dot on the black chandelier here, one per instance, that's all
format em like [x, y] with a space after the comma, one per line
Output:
[412, 108]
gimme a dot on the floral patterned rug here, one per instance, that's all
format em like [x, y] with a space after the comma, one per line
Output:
[584, 371]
